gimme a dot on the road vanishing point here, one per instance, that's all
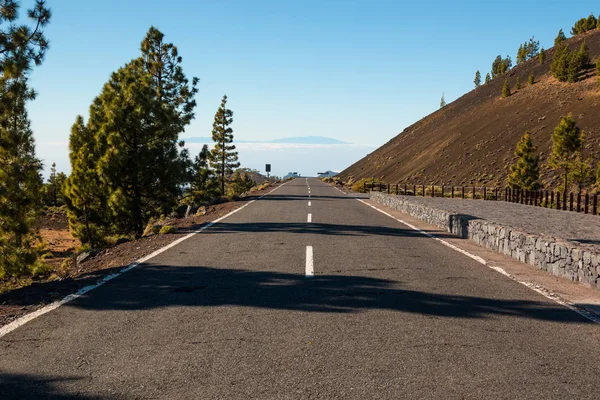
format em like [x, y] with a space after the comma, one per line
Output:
[306, 293]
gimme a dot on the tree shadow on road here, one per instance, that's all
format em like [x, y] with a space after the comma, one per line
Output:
[28, 386]
[159, 286]
[311, 229]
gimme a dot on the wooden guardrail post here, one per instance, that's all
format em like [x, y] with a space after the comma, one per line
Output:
[432, 190]
[452, 195]
[442, 191]
[423, 187]
[570, 201]
[595, 205]
[587, 203]
[579, 202]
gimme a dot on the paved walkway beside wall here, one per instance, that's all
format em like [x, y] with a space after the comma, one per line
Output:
[562, 242]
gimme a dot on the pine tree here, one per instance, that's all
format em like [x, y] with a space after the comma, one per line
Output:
[223, 157]
[560, 38]
[505, 89]
[542, 56]
[442, 101]
[136, 122]
[501, 65]
[566, 141]
[241, 183]
[488, 78]
[521, 54]
[525, 173]
[20, 183]
[53, 188]
[531, 79]
[582, 169]
[583, 56]
[518, 84]
[477, 80]
[203, 185]
[84, 192]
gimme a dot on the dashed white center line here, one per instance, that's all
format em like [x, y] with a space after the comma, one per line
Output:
[310, 270]
[309, 217]
[309, 203]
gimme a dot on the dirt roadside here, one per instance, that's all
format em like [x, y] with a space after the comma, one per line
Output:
[42, 291]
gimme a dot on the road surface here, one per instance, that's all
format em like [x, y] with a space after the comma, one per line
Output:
[306, 293]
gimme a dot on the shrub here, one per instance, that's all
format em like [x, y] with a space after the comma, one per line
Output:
[359, 186]
[166, 229]
[505, 89]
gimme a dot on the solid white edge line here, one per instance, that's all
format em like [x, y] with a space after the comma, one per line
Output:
[536, 288]
[310, 270]
[4, 330]
[309, 219]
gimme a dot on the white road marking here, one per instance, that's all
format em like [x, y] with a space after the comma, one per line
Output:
[536, 288]
[310, 269]
[309, 217]
[52, 306]
[309, 203]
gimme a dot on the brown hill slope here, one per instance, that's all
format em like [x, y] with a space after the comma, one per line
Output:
[472, 140]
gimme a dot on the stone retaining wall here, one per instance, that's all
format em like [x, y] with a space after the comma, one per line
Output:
[561, 258]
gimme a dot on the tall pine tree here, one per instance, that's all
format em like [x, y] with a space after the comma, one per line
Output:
[223, 157]
[525, 173]
[203, 185]
[136, 122]
[566, 142]
[477, 80]
[85, 194]
[21, 47]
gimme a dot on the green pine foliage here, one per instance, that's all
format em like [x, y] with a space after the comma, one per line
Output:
[223, 157]
[566, 142]
[85, 194]
[525, 172]
[518, 84]
[567, 64]
[505, 89]
[559, 38]
[584, 25]
[477, 80]
[442, 102]
[21, 47]
[20, 193]
[581, 172]
[528, 50]
[203, 184]
[488, 78]
[542, 56]
[531, 79]
[501, 65]
[135, 124]
[240, 183]
[52, 191]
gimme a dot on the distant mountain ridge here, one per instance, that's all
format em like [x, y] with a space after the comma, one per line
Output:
[290, 140]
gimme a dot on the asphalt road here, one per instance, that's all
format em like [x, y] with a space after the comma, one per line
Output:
[231, 314]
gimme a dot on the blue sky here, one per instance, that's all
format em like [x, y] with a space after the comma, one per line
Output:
[358, 71]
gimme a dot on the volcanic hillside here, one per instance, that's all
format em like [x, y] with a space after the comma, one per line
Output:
[471, 141]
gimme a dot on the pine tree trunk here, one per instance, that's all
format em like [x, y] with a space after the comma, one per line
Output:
[87, 227]
[137, 206]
